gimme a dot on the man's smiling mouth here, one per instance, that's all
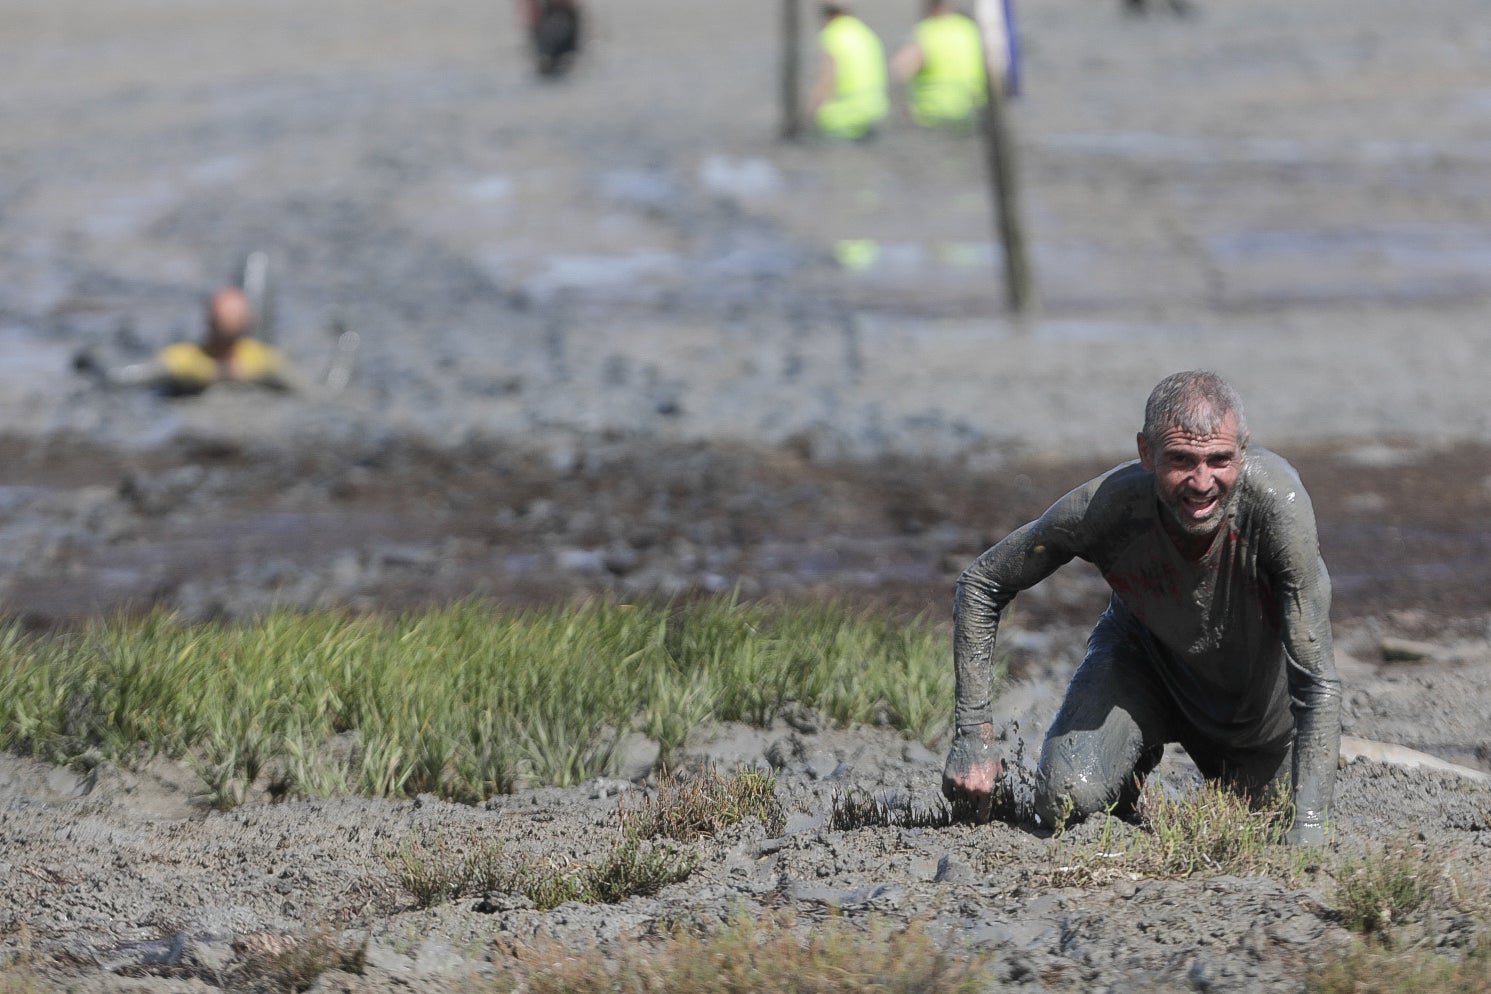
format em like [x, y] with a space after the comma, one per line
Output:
[1200, 506]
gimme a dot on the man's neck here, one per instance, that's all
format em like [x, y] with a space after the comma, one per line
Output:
[1190, 546]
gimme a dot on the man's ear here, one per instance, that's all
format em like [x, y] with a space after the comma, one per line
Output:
[1146, 458]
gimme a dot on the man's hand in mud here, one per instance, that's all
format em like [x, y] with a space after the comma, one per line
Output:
[970, 774]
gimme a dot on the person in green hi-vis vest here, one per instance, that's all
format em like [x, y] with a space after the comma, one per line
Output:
[943, 66]
[850, 97]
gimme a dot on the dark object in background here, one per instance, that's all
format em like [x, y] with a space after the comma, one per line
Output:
[555, 32]
[1139, 8]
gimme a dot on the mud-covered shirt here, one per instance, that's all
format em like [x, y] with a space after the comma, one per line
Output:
[1243, 631]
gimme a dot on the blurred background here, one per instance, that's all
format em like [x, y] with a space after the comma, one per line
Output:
[615, 334]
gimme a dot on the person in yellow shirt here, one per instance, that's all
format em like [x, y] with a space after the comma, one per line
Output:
[226, 354]
[850, 97]
[943, 67]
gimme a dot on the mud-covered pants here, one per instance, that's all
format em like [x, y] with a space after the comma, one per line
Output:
[1114, 724]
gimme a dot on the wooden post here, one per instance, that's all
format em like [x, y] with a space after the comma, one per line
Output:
[791, 63]
[999, 151]
[999, 148]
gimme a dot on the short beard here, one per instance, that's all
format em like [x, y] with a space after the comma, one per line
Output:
[1200, 529]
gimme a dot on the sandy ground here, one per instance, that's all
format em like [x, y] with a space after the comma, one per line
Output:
[607, 346]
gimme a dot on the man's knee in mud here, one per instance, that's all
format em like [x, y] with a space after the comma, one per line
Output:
[1077, 777]
[1063, 798]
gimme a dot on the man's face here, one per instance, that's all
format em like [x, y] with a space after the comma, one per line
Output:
[1195, 475]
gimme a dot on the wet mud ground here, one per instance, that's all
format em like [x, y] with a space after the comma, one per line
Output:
[608, 347]
[211, 529]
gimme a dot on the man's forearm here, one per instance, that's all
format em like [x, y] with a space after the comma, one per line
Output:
[1317, 747]
[1315, 696]
[1022, 559]
[976, 610]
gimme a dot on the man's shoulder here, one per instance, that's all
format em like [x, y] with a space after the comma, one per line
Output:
[1267, 471]
[1272, 492]
[1115, 491]
[1277, 512]
[1105, 513]
[1124, 481]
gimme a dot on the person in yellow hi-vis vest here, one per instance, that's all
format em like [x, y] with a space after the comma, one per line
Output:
[851, 95]
[943, 65]
[226, 354]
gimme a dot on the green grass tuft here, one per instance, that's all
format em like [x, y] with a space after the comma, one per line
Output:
[462, 702]
[633, 868]
[437, 871]
[1208, 830]
[1384, 889]
[691, 806]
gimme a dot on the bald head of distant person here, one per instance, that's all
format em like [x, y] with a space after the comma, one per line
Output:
[229, 317]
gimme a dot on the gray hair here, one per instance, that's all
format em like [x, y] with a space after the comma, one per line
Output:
[1196, 401]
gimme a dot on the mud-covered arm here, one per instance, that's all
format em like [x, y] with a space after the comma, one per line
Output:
[1024, 558]
[1027, 556]
[1304, 591]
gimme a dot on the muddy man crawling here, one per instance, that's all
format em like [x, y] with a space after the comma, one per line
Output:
[1216, 635]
